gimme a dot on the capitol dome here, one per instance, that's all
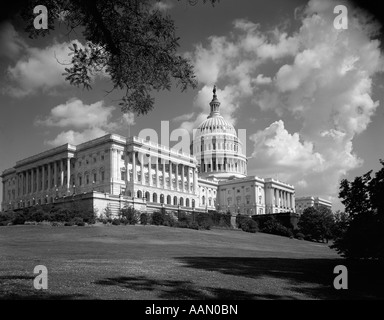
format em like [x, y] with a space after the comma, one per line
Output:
[217, 147]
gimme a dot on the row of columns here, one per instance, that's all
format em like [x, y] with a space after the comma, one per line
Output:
[44, 177]
[134, 164]
[284, 199]
[229, 166]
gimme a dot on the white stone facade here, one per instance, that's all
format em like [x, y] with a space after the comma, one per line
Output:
[305, 202]
[114, 171]
[156, 173]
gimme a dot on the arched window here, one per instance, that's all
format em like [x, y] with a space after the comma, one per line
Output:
[168, 199]
[161, 198]
[148, 196]
[154, 197]
[187, 202]
[175, 201]
[203, 200]
[139, 194]
[181, 201]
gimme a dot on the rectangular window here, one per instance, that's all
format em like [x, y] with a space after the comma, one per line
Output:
[102, 175]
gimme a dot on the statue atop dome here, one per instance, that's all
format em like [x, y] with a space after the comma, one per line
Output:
[214, 104]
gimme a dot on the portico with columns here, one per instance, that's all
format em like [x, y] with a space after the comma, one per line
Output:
[118, 171]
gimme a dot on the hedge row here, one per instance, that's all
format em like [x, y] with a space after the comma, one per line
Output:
[68, 216]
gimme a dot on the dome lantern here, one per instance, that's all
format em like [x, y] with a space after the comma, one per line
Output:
[215, 105]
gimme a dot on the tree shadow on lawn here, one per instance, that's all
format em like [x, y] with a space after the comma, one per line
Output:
[174, 289]
[20, 287]
[312, 277]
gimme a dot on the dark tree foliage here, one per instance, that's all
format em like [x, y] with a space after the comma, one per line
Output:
[129, 215]
[341, 224]
[129, 40]
[317, 223]
[364, 203]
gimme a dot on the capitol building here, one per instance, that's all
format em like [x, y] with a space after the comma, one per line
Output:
[113, 171]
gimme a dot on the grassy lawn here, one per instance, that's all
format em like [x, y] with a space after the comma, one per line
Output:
[152, 262]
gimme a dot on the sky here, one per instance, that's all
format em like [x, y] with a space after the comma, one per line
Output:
[309, 95]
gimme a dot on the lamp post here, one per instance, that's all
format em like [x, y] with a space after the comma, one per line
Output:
[46, 198]
[57, 192]
[74, 189]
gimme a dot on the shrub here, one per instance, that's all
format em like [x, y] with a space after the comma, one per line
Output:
[38, 215]
[194, 225]
[157, 218]
[249, 225]
[299, 236]
[62, 215]
[19, 218]
[107, 212]
[88, 216]
[169, 220]
[68, 224]
[221, 219]
[143, 218]
[78, 221]
[130, 215]
[6, 218]
[182, 224]
[272, 226]
[204, 220]
[116, 222]
[239, 219]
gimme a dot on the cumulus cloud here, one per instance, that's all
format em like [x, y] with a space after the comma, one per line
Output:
[317, 76]
[129, 118]
[78, 115]
[75, 137]
[227, 98]
[235, 61]
[90, 121]
[327, 87]
[11, 44]
[184, 117]
[275, 144]
[39, 69]
[34, 70]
